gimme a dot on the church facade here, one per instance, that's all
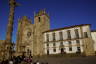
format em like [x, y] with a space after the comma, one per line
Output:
[29, 36]
[37, 39]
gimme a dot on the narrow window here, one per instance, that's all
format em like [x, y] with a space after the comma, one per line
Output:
[54, 50]
[69, 34]
[28, 51]
[70, 48]
[85, 34]
[39, 19]
[61, 35]
[77, 33]
[54, 44]
[53, 36]
[47, 35]
[70, 43]
[78, 50]
[28, 34]
[61, 43]
[47, 51]
[47, 45]
[77, 41]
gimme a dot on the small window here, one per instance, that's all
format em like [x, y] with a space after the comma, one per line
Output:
[77, 33]
[70, 42]
[47, 35]
[54, 44]
[70, 48]
[77, 41]
[85, 34]
[47, 44]
[61, 35]
[69, 34]
[47, 51]
[61, 43]
[53, 36]
[29, 34]
[78, 50]
[28, 50]
[54, 50]
[39, 19]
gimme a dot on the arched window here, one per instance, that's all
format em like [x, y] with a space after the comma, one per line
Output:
[39, 19]
[29, 34]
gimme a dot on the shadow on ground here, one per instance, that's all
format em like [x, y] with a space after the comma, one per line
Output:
[69, 60]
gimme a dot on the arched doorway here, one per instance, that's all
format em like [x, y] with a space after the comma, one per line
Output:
[47, 52]
[62, 50]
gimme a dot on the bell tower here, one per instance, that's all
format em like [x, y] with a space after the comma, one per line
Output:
[41, 24]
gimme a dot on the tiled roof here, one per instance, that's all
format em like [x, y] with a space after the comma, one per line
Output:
[93, 30]
[67, 27]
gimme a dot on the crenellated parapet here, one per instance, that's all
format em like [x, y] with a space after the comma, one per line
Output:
[41, 12]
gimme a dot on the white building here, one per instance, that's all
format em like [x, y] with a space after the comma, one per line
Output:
[93, 33]
[73, 39]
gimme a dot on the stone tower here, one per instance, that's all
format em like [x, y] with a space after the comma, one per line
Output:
[41, 24]
[20, 44]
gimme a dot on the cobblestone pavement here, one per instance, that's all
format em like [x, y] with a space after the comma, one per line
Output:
[72, 60]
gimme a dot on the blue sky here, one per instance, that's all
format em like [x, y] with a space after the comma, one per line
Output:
[62, 13]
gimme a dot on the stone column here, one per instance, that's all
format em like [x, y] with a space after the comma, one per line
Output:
[12, 4]
[8, 41]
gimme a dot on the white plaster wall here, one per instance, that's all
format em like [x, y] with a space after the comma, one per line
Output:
[64, 31]
[66, 46]
[86, 29]
[44, 37]
[79, 30]
[57, 35]
[94, 39]
[65, 43]
[64, 34]
[50, 36]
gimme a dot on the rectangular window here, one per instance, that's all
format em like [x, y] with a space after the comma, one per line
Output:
[70, 43]
[54, 50]
[77, 33]
[78, 50]
[54, 44]
[61, 43]
[47, 51]
[69, 34]
[70, 48]
[53, 36]
[61, 35]
[47, 35]
[47, 45]
[85, 34]
[77, 41]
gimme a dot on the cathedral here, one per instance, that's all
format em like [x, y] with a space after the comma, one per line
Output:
[30, 36]
[37, 39]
